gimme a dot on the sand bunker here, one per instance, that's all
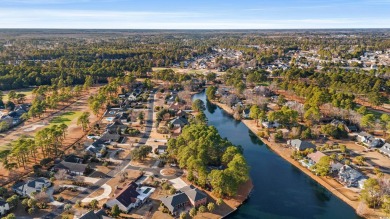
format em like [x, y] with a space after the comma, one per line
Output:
[32, 128]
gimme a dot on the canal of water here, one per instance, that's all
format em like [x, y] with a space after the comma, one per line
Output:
[281, 191]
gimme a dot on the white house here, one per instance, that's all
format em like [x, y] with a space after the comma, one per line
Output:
[363, 137]
[385, 149]
[269, 125]
[32, 186]
[4, 207]
[162, 149]
[245, 113]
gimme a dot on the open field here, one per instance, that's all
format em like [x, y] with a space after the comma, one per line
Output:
[26, 91]
[66, 114]
[189, 71]
[65, 118]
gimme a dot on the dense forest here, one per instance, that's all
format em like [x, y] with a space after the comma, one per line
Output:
[33, 58]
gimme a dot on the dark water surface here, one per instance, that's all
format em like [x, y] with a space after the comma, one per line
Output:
[280, 189]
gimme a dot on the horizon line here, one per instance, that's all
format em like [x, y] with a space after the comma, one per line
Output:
[334, 28]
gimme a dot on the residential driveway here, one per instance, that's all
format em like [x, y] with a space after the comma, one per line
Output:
[178, 183]
[90, 179]
[76, 187]
[113, 156]
[106, 194]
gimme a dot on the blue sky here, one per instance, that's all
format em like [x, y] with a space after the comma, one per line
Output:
[189, 14]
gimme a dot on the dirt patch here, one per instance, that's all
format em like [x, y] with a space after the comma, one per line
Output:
[160, 215]
[21, 213]
[123, 154]
[168, 172]
[148, 162]
[67, 194]
[97, 193]
[116, 183]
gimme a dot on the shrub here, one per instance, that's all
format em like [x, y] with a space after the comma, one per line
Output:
[172, 191]
[202, 209]
[165, 186]
[45, 161]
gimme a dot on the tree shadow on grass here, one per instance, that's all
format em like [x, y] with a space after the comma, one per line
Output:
[61, 119]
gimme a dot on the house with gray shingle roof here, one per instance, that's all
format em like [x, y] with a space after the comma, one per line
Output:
[72, 168]
[385, 149]
[100, 214]
[179, 122]
[126, 199]
[300, 145]
[130, 197]
[187, 196]
[349, 176]
[117, 124]
[32, 186]
[175, 202]
[4, 207]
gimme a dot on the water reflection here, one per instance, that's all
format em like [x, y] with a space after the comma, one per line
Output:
[281, 190]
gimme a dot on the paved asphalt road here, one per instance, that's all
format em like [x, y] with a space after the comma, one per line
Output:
[112, 173]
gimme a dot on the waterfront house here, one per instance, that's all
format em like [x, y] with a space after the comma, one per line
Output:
[349, 176]
[300, 145]
[385, 149]
[245, 113]
[335, 167]
[187, 196]
[285, 132]
[32, 186]
[315, 157]
[176, 106]
[174, 202]
[270, 125]
[179, 122]
[4, 207]
[196, 197]
[182, 113]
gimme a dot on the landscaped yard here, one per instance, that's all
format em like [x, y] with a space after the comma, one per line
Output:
[66, 118]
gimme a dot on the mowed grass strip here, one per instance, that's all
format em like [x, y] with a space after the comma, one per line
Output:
[65, 118]
[4, 147]
[27, 92]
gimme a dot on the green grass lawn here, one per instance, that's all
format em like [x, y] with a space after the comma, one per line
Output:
[27, 92]
[66, 118]
[161, 68]
[4, 147]
[369, 111]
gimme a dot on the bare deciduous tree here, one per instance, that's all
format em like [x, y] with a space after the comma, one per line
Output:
[42, 197]
[61, 175]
